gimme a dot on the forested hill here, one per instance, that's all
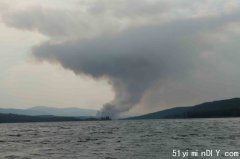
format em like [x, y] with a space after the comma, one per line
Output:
[216, 109]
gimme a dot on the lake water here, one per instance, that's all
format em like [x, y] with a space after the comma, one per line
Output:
[142, 139]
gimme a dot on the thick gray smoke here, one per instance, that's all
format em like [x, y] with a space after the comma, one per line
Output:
[137, 60]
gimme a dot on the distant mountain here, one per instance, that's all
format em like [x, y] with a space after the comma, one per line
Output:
[43, 110]
[22, 111]
[216, 109]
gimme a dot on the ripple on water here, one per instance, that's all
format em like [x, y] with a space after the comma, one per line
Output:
[116, 139]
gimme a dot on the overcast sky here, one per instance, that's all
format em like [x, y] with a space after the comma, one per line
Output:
[120, 56]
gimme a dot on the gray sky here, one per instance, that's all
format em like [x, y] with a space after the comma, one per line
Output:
[131, 57]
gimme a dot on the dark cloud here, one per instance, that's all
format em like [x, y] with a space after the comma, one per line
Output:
[90, 18]
[58, 24]
[138, 59]
[39, 19]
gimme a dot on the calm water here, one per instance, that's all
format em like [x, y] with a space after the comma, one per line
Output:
[145, 139]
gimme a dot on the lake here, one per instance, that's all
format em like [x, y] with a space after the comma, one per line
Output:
[127, 139]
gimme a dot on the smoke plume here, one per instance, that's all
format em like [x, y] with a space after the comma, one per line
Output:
[135, 61]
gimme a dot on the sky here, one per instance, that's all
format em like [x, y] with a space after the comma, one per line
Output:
[121, 57]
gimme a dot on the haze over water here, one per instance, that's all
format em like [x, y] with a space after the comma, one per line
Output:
[143, 139]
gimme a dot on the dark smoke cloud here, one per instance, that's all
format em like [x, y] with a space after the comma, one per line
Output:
[138, 59]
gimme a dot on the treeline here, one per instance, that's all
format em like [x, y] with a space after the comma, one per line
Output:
[14, 118]
[216, 109]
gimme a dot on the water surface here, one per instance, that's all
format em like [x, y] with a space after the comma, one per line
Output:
[136, 139]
